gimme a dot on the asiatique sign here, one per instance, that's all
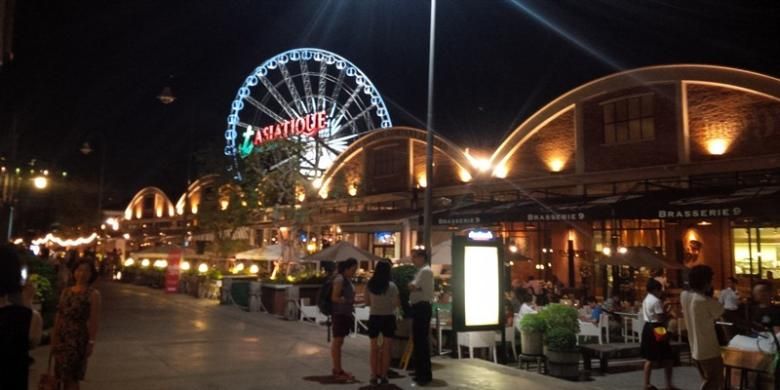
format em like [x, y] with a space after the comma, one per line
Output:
[308, 125]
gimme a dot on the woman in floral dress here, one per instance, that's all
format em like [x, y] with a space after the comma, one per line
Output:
[75, 326]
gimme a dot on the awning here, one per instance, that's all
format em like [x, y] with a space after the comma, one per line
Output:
[637, 257]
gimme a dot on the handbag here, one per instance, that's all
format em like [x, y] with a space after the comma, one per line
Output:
[48, 380]
[660, 333]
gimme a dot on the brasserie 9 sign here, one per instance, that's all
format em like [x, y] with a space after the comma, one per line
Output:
[308, 125]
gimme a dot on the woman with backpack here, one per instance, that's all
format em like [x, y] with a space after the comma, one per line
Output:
[382, 299]
[343, 298]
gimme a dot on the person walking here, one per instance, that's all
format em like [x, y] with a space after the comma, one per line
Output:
[701, 311]
[655, 347]
[343, 298]
[420, 298]
[20, 326]
[76, 326]
[382, 299]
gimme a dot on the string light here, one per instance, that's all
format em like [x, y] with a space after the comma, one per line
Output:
[69, 242]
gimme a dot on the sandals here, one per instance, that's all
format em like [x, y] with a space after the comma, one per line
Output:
[342, 375]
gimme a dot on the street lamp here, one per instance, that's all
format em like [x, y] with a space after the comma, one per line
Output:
[40, 182]
[429, 140]
[86, 149]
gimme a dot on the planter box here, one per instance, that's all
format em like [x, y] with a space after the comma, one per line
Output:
[563, 364]
[275, 296]
[531, 343]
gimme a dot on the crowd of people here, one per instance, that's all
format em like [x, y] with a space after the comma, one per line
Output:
[72, 339]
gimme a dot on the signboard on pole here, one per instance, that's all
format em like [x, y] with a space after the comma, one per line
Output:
[478, 275]
[172, 272]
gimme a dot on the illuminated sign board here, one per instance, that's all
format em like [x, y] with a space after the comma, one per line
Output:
[478, 275]
[480, 235]
[308, 125]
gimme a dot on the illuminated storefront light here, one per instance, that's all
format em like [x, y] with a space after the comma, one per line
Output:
[717, 146]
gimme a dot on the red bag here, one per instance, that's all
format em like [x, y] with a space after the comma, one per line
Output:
[660, 333]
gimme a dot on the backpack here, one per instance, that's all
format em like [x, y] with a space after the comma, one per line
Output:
[324, 301]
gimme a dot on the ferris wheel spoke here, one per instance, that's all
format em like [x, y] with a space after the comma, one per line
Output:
[278, 97]
[323, 82]
[325, 145]
[336, 92]
[292, 88]
[262, 107]
[352, 120]
[345, 108]
[307, 86]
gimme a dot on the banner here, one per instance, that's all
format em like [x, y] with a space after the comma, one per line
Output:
[172, 272]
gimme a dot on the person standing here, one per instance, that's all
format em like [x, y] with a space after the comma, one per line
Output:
[701, 311]
[420, 298]
[76, 326]
[655, 347]
[382, 299]
[20, 326]
[729, 298]
[343, 298]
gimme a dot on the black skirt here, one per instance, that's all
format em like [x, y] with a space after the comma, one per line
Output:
[653, 350]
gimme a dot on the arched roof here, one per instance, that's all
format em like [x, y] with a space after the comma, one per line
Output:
[138, 197]
[441, 144]
[194, 187]
[721, 76]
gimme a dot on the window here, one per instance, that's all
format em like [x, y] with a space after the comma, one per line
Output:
[629, 119]
[756, 250]
[387, 161]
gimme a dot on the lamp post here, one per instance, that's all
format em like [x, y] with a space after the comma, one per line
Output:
[86, 149]
[429, 139]
[13, 180]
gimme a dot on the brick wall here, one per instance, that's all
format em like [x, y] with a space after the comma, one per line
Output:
[661, 150]
[555, 141]
[749, 122]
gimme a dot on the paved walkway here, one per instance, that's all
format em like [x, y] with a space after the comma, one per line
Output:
[151, 340]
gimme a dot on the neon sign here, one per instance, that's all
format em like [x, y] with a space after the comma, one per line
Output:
[308, 125]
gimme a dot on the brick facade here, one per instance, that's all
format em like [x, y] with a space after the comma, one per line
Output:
[551, 144]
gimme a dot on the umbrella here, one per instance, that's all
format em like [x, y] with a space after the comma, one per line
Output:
[639, 256]
[342, 251]
[441, 253]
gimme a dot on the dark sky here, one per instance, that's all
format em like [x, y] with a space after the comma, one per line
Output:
[89, 67]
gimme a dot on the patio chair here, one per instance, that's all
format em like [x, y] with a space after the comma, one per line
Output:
[311, 312]
[361, 318]
[588, 329]
[636, 328]
[483, 339]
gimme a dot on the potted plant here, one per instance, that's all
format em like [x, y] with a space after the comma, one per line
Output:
[563, 356]
[562, 325]
[532, 328]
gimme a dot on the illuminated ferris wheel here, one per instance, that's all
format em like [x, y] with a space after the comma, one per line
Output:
[308, 95]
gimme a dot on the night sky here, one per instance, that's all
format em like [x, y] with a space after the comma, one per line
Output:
[89, 67]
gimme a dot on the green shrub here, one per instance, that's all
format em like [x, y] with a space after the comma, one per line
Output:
[533, 323]
[557, 316]
[402, 276]
[561, 340]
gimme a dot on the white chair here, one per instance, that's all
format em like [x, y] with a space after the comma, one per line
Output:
[637, 324]
[311, 312]
[509, 334]
[361, 318]
[588, 329]
[483, 339]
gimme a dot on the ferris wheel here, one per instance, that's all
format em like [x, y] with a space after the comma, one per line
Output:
[308, 95]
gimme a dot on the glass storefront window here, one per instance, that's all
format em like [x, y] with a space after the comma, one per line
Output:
[756, 251]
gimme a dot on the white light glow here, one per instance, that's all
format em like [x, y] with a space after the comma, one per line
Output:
[65, 243]
[185, 265]
[253, 269]
[717, 147]
[129, 262]
[501, 171]
[481, 280]
[622, 250]
[145, 263]
[606, 251]
[203, 268]
[40, 182]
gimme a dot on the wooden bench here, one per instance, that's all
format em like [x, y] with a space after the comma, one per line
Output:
[604, 352]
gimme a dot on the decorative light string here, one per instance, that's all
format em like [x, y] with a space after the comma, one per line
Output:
[68, 242]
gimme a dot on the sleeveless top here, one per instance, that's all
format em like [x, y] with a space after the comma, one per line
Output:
[348, 292]
[15, 341]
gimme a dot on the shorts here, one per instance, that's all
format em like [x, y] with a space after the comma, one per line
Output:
[381, 324]
[342, 324]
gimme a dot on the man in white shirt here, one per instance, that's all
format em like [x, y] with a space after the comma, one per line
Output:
[420, 298]
[700, 312]
[729, 298]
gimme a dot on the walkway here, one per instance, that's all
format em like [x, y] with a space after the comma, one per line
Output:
[152, 340]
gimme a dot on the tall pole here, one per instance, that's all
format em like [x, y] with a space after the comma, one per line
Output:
[101, 179]
[429, 139]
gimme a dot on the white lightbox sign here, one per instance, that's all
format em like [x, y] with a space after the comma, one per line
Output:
[481, 285]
